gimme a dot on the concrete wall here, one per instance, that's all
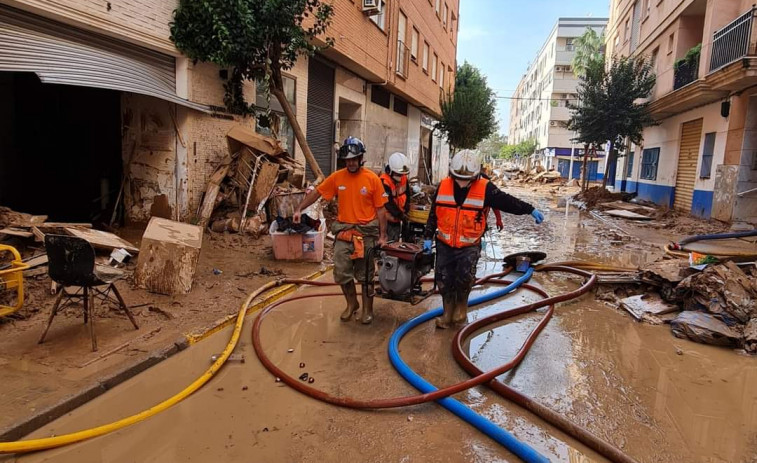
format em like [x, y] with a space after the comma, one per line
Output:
[745, 206]
[667, 137]
[413, 138]
[385, 132]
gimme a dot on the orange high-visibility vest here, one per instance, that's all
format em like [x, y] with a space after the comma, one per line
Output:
[399, 193]
[461, 226]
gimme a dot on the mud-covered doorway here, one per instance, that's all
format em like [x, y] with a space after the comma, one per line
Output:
[60, 149]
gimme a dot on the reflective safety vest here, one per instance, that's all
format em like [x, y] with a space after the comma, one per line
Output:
[399, 193]
[461, 226]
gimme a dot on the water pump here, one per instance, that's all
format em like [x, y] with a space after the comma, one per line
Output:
[401, 267]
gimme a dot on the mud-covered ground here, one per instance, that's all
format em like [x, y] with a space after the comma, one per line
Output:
[658, 398]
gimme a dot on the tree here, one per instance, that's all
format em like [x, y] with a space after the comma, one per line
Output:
[524, 148]
[468, 114]
[491, 146]
[613, 105]
[256, 39]
[588, 50]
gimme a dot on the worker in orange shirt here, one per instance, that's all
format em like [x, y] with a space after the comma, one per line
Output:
[394, 179]
[360, 225]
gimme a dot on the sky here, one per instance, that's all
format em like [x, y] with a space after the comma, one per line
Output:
[500, 37]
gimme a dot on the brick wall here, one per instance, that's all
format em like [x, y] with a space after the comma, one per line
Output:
[143, 22]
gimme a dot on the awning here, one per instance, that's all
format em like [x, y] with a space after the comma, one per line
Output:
[61, 54]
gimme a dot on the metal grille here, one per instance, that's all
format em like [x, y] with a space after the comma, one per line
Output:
[732, 42]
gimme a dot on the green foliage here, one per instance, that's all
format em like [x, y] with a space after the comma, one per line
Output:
[609, 106]
[691, 57]
[523, 148]
[491, 146]
[254, 38]
[468, 115]
[588, 51]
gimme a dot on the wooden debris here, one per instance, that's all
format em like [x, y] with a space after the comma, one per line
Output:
[652, 304]
[214, 185]
[627, 214]
[101, 239]
[168, 258]
[38, 235]
[65, 225]
[16, 232]
[28, 222]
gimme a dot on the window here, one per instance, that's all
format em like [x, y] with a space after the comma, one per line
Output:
[425, 57]
[452, 25]
[645, 10]
[441, 75]
[402, 50]
[653, 59]
[434, 64]
[626, 29]
[414, 45]
[569, 44]
[445, 13]
[617, 40]
[400, 106]
[281, 129]
[709, 150]
[380, 96]
[649, 161]
[629, 166]
[671, 42]
[378, 19]
[437, 6]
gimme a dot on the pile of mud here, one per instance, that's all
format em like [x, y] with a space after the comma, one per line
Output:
[597, 195]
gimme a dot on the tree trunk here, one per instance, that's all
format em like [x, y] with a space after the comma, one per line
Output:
[584, 171]
[298, 133]
[610, 159]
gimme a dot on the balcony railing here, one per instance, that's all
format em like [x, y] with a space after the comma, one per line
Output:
[732, 42]
[403, 59]
[686, 72]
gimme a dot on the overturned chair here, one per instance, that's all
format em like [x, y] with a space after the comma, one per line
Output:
[71, 263]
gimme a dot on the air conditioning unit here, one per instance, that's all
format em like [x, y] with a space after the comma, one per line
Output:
[552, 123]
[371, 7]
[558, 68]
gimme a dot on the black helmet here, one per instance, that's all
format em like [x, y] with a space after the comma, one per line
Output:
[351, 148]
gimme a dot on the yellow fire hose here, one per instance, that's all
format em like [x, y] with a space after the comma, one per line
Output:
[58, 441]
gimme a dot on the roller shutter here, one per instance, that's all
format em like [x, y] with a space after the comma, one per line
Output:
[61, 54]
[320, 126]
[688, 153]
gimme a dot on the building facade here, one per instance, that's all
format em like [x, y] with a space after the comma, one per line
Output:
[702, 157]
[99, 105]
[539, 106]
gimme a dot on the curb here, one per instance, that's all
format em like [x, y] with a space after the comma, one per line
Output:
[87, 393]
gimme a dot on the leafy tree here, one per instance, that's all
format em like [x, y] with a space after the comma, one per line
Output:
[468, 114]
[524, 148]
[491, 146]
[256, 39]
[612, 105]
[588, 50]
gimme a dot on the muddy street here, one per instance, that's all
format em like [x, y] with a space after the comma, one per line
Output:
[658, 398]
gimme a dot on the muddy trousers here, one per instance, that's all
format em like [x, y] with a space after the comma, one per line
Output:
[347, 270]
[455, 274]
[393, 231]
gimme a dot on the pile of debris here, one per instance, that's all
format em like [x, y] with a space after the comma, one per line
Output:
[537, 175]
[716, 306]
[256, 170]
[597, 195]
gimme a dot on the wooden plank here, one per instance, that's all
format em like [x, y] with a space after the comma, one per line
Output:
[17, 232]
[38, 235]
[214, 185]
[29, 222]
[264, 184]
[627, 214]
[101, 239]
[36, 261]
[64, 225]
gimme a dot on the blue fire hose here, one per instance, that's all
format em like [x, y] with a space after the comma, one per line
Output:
[522, 450]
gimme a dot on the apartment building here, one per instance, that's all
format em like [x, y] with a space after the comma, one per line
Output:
[94, 92]
[702, 158]
[539, 111]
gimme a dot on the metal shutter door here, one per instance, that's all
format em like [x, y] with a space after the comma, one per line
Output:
[320, 126]
[691, 135]
[61, 54]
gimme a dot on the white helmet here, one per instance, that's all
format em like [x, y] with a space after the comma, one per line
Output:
[398, 163]
[465, 165]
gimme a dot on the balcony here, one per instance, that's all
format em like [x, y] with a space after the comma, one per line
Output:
[686, 70]
[403, 59]
[733, 41]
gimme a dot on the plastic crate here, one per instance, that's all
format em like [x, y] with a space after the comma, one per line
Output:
[298, 246]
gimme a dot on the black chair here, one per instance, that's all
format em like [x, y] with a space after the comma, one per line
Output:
[71, 262]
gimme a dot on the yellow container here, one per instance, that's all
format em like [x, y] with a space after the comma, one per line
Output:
[12, 279]
[418, 216]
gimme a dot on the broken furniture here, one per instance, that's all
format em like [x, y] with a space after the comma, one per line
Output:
[12, 278]
[71, 263]
[168, 257]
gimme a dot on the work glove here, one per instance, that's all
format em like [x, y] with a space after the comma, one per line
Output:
[538, 216]
[427, 246]
[500, 225]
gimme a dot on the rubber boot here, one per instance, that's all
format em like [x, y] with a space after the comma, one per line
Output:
[350, 295]
[448, 304]
[461, 308]
[366, 316]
